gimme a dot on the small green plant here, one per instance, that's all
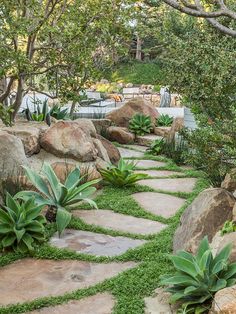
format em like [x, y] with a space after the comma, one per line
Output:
[140, 124]
[164, 120]
[156, 147]
[58, 113]
[59, 197]
[21, 225]
[39, 114]
[199, 277]
[122, 175]
[175, 148]
[5, 114]
[229, 226]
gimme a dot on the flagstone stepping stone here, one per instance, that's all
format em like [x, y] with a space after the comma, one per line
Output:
[94, 243]
[139, 147]
[126, 153]
[101, 303]
[160, 173]
[28, 279]
[171, 185]
[159, 204]
[111, 220]
[148, 163]
[159, 303]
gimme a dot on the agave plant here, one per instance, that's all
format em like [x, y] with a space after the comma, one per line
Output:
[39, 114]
[59, 197]
[58, 113]
[199, 277]
[122, 175]
[164, 120]
[156, 147]
[140, 124]
[21, 224]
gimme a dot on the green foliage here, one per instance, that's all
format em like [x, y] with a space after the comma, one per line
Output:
[122, 175]
[156, 147]
[21, 225]
[149, 73]
[229, 226]
[140, 124]
[199, 277]
[59, 196]
[58, 113]
[5, 114]
[164, 120]
[39, 114]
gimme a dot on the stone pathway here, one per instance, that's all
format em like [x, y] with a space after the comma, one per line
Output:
[159, 204]
[147, 140]
[29, 279]
[138, 147]
[102, 303]
[94, 243]
[171, 185]
[119, 222]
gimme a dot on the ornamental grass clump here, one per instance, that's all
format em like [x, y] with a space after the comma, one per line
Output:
[199, 277]
[59, 198]
[122, 175]
[21, 225]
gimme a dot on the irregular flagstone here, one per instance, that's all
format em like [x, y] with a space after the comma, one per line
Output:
[139, 147]
[160, 303]
[94, 243]
[171, 185]
[126, 153]
[119, 222]
[160, 173]
[148, 163]
[28, 279]
[101, 303]
[159, 204]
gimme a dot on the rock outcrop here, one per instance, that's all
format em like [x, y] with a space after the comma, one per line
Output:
[120, 135]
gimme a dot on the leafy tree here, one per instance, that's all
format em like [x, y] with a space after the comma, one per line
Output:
[57, 44]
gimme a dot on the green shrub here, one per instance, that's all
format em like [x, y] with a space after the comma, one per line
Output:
[140, 124]
[156, 147]
[164, 120]
[122, 175]
[60, 198]
[5, 114]
[21, 224]
[58, 113]
[229, 226]
[199, 277]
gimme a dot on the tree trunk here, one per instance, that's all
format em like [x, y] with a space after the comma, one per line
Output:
[72, 108]
[139, 49]
[19, 98]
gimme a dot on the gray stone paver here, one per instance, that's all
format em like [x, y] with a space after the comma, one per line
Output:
[160, 173]
[127, 153]
[119, 222]
[28, 279]
[101, 303]
[159, 204]
[94, 243]
[171, 185]
[139, 147]
[148, 163]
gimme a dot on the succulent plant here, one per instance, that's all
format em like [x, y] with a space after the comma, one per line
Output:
[140, 124]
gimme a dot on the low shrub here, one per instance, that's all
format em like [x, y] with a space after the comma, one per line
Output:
[59, 197]
[21, 225]
[229, 226]
[156, 147]
[199, 277]
[122, 175]
[140, 124]
[164, 120]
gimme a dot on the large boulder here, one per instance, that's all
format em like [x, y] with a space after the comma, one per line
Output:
[12, 155]
[101, 125]
[224, 301]
[123, 115]
[219, 241]
[87, 126]
[29, 135]
[102, 153]
[229, 182]
[176, 126]
[120, 135]
[205, 216]
[112, 150]
[69, 139]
